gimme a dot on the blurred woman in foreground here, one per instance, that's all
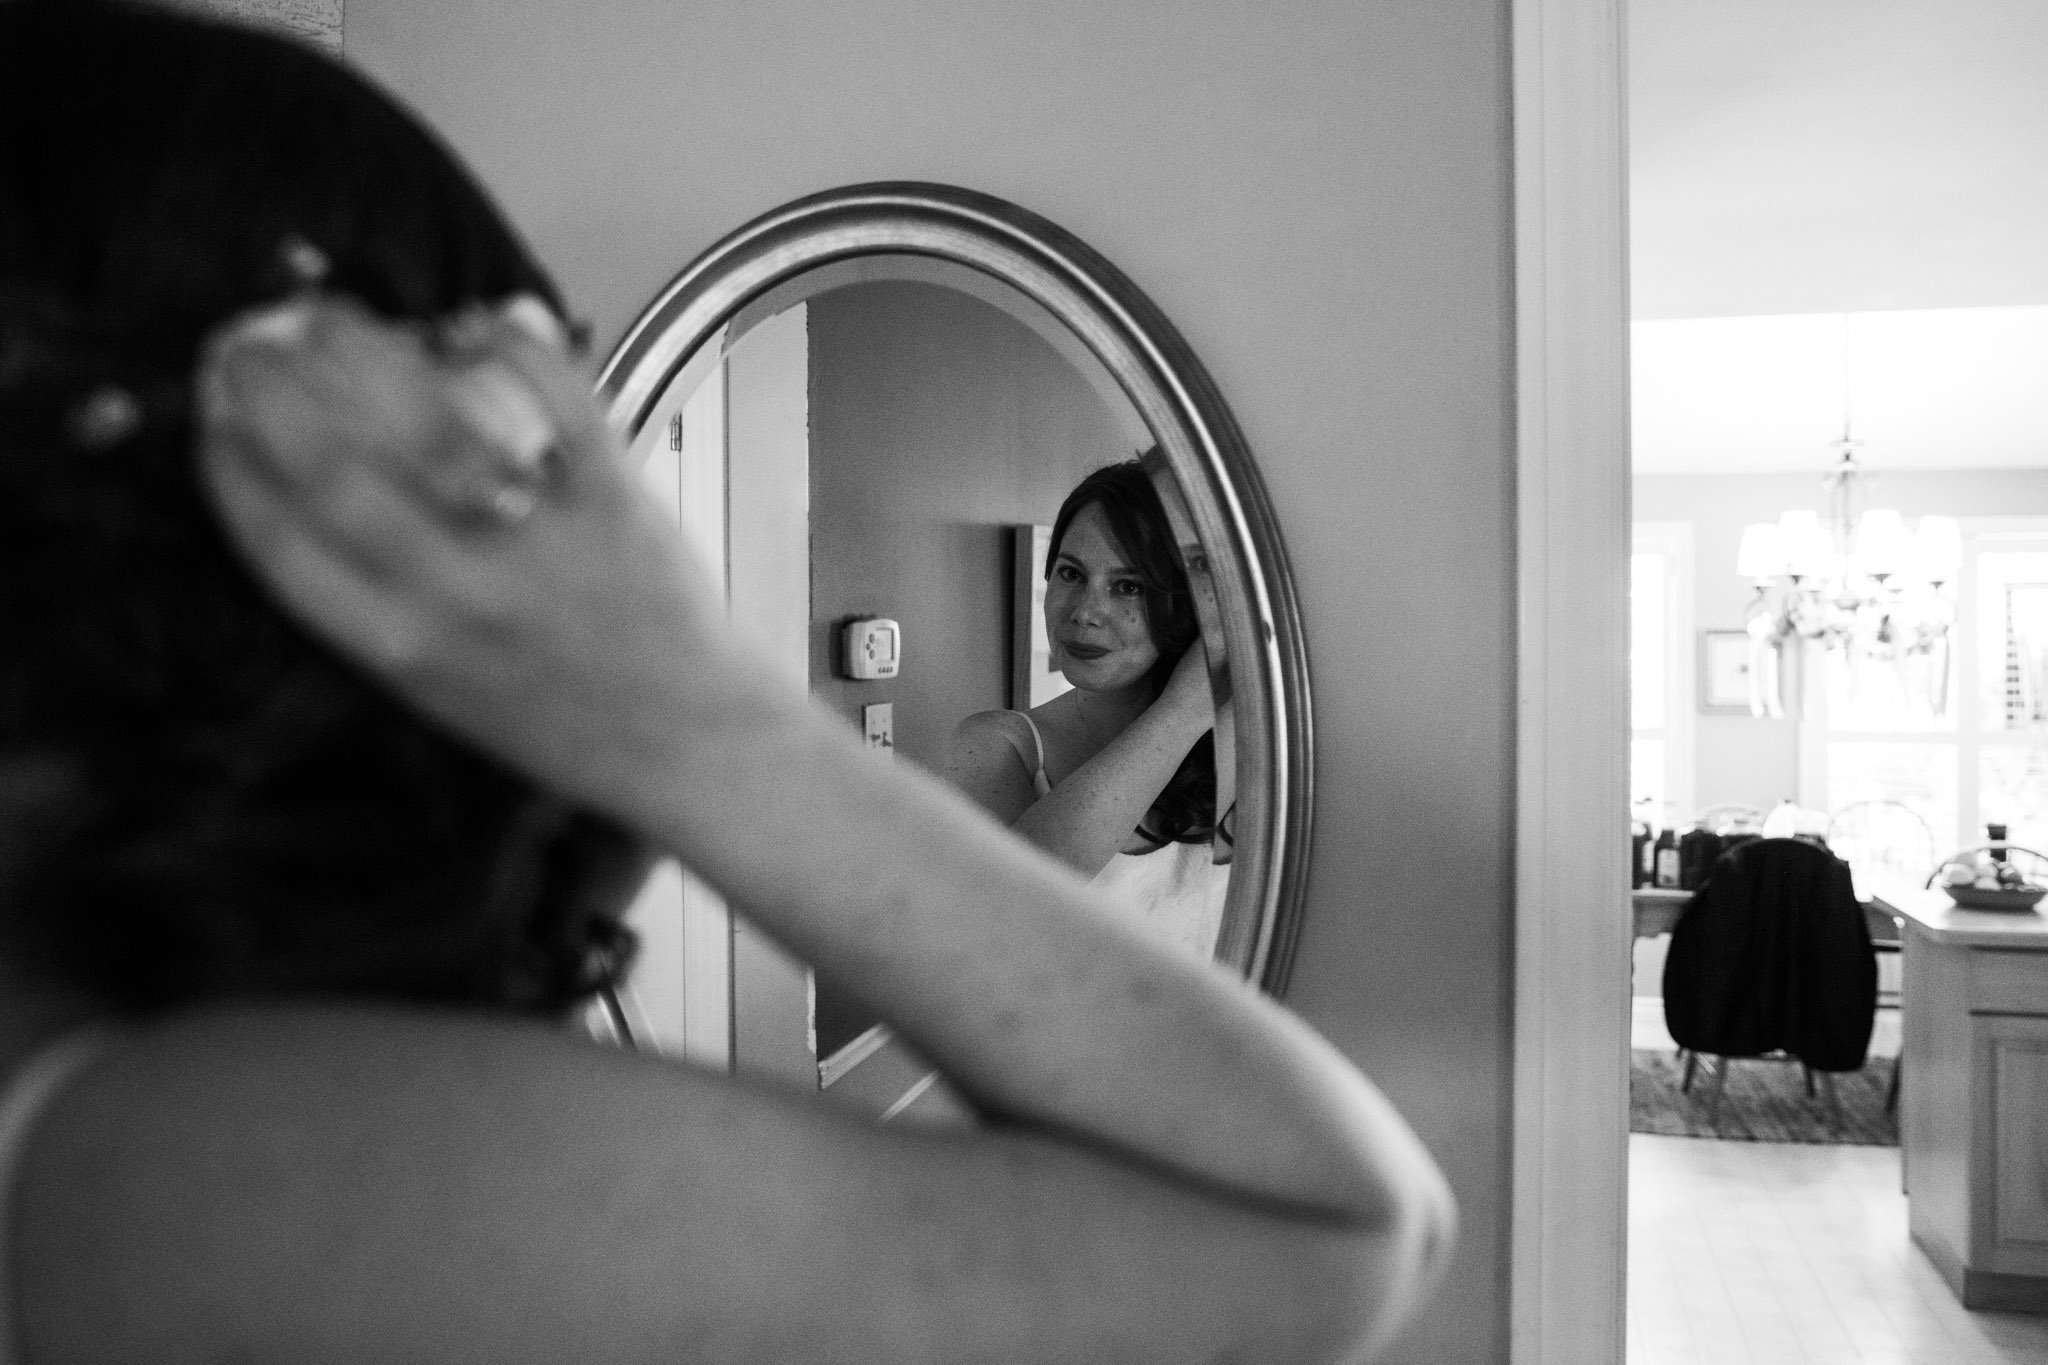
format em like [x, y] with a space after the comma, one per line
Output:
[337, 720]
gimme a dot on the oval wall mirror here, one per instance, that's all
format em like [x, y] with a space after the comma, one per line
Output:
[868, 406]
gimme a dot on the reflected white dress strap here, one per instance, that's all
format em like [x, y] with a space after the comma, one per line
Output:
[24, 1100]
[1039, 783]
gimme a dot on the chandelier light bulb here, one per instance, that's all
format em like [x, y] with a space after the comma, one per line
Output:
[1883, 545]
[1762, 555]
[1938, 549]
[1808, 547]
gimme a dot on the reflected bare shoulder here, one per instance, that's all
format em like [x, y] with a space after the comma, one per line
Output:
[990, 759]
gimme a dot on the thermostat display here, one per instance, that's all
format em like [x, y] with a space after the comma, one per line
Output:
[874, 648]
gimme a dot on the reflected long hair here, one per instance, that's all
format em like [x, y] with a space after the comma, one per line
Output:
[198, 798]
[1185, 810]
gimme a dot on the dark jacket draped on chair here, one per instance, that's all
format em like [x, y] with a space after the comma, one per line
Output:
[1772, 953]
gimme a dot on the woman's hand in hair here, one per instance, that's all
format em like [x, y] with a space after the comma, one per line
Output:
[1187, 689]
[354, 462]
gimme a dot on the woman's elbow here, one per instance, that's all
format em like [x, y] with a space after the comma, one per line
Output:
[1430, 1228]
[1384, 1267]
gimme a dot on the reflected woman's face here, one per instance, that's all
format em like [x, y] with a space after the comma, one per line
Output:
[1095, 609]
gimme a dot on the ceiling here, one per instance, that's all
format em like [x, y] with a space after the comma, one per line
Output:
[1794, 160]
[1948, 388]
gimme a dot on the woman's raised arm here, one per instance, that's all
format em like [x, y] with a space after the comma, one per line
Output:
[1089, 815]
[1139, 1096]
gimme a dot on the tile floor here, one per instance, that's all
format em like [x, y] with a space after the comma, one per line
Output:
[1753, 1253]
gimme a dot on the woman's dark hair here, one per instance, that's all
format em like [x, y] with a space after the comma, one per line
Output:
[198, 798]
[1185, 811]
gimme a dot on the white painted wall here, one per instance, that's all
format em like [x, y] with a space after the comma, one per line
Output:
[1318, 195]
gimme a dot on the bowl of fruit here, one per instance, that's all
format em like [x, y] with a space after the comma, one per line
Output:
[1991, 878]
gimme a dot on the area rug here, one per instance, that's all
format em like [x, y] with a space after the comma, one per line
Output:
[1765, 1101]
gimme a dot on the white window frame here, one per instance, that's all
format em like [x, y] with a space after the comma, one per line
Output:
[1673, 541]
[1968, 740]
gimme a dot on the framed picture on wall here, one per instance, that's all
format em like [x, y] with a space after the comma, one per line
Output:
[1724, 673]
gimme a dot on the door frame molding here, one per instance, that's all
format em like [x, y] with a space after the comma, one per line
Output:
[1570, 1119]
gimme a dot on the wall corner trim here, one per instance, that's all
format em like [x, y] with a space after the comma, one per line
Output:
[1570, 1125]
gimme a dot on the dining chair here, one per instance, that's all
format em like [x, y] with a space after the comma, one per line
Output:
[1773, 959]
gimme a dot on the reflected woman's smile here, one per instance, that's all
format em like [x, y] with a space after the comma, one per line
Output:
[1095, 610]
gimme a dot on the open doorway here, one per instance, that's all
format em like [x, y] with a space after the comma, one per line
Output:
[1838, 251]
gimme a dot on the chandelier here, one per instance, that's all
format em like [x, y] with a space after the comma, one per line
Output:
[1861, 582]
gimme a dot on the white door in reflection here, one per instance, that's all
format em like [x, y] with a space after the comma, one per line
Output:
[730, 456]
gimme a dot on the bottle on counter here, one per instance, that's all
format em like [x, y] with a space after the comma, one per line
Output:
[1698, 848]
[1645, 846]
[1666, 864]
[1640, 841]
[1994, 835]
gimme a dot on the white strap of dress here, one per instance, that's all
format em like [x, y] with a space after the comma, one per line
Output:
[1039, 782]
[24, 1101]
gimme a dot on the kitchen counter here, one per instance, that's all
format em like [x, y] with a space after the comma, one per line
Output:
[1941, 920]
[1973, 1105]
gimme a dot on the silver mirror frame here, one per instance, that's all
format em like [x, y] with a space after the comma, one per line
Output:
[1171, 391]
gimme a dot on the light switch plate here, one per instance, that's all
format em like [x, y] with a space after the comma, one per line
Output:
[878, 722]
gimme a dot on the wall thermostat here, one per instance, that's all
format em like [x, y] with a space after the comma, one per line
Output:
[874, 648]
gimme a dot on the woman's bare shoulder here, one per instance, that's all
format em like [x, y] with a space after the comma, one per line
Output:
[349, 1183]
[989, 760]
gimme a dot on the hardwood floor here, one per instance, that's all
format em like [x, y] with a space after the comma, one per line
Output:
[1754, 1253]
[1765, 1253]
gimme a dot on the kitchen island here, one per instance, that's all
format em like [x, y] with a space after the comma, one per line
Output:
[1973, 1121]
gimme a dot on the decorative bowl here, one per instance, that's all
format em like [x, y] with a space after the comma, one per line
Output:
[1996, 898]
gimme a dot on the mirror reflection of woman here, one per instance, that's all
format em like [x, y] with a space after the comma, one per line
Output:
[1117, 777]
